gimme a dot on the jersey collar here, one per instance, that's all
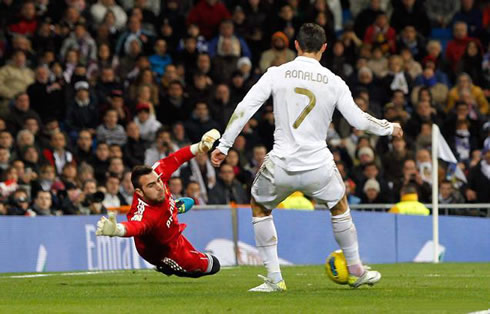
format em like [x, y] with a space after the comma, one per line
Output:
[307, 59]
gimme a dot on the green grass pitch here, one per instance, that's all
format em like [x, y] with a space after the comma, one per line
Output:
[404, 288]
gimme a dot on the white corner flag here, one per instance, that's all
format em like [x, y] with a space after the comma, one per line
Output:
[445, 153]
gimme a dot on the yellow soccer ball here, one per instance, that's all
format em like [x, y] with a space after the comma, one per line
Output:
[336, 267]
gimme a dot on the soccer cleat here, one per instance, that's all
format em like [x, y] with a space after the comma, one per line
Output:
[370, 277]
[184, 204]
[269, 286]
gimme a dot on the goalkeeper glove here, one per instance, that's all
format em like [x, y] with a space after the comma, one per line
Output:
[110, 227]
[206, 142]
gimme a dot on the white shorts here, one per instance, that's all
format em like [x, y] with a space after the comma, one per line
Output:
[273, 184]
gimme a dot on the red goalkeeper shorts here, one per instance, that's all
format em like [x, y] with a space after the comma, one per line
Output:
[182, 259]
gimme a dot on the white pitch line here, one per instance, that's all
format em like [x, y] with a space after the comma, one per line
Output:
[62, 274]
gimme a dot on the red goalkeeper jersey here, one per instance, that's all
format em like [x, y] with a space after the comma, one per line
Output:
[155, 226]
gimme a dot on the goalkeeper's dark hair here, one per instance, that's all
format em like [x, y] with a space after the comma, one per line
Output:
[311, 37]
[137, 173]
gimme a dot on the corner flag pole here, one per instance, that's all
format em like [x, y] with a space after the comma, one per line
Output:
[435, 192]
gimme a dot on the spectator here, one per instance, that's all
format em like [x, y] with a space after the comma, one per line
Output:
[367, 16]
[471, 15]
[18, 204]
[412, 176]
[116, 102]
[207, 15]
[26, 23]
[371, 172]
[201, 171]
[412, 67]
[111, 132]
[456, 47]
[447, 194]
[393, 161]
[46, 96]
[81, 41]
[99, 10]
[58, 155]
[378, 63]
[424, 112]
[227, 189]
[465, 85]
[46, 179]
[178, 135]
[116, 167]
[160, 59]
[463, 142]
[144, 89]
[146, 122]
[83, 151]
[285, 22]
[409, 204]
[126, 189]
[479, 180]
[199, 122]
[113, 198]
[105, 60]
[258, 157]
[397, 78]
[134, 35]
[461, 113]
[175, 187]
[42, 204]
[82, 112]
[380, 33]
[100, 162]
[411, 13]
[434, 80]
[175, 106]
[92, 199]
[351, 198]
[31, 159]
[15, 77]
[106, 85]
[471, 63]
[415, 43]
[193, 191]
[20, 112]
[162, 148]
[371, 192]
[224, 62]
[221, 105]
[71, 201]
[134, 150]
[278, 54]
[441, 12]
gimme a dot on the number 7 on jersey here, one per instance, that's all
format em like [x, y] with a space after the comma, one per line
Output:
[307, 110]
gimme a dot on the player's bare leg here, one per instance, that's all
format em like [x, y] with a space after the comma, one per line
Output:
[266, 241]
[346, 237]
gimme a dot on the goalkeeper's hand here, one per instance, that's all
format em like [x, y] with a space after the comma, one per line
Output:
[207, 142]
[110, 227]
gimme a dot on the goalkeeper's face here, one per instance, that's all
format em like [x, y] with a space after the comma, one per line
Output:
[152, 188]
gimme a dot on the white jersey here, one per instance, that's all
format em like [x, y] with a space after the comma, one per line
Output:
[305, 96]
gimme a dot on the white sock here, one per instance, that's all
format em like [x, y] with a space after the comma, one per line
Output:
[266, 241]
[346, 237]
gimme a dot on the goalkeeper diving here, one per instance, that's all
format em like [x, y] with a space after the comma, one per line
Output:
[152, 219]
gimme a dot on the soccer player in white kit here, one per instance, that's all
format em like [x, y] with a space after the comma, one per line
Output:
[305, 96]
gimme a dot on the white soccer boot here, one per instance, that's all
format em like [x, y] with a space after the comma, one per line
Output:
[269, 286]
[370, 277]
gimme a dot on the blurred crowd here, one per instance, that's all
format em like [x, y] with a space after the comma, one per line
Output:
[91, 88]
